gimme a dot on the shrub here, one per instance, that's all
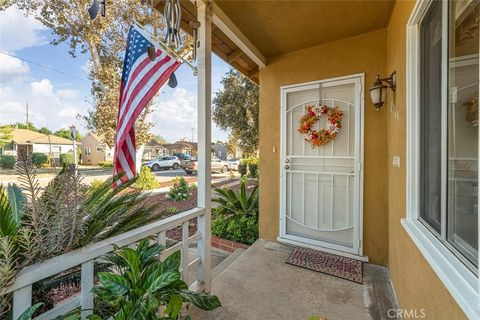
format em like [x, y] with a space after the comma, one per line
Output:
[141, 286]
[180, 190]
[7, 162]
[106, 164]
[96, 184]
[242, 169]
[146, 180]
[66, 159]
[253, 170]
[236, 217]
[39, 159]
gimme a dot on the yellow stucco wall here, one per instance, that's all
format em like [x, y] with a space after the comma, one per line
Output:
[385, 240]
[363, 53]
[416, 284]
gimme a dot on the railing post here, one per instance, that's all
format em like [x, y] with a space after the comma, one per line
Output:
[185, 246]
[22, 299]
[87, 282]
[204, 77]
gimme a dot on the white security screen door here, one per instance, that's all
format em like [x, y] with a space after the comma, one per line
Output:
[321, 202]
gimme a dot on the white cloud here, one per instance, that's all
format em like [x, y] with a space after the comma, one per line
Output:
[67, 93]
[19, 32]
[43, 87]
[11, 68]
[68, 112]
[175, 114]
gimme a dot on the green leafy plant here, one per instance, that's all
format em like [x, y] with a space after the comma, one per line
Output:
[66, 159]
[139, 284]
[39, 159]
[106, 164]
[180, 191]
[236, 216]
[7, 162]
[146, 180]
[242, 169]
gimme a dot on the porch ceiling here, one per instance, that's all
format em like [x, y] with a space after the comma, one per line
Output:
[278, 27]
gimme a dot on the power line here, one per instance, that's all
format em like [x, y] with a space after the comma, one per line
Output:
[43, 66]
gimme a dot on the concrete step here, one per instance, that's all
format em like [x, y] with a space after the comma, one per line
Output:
[222, 266]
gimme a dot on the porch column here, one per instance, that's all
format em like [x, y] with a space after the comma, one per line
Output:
[204, 92]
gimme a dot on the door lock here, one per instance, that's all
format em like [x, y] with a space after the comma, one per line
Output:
[287, 167]
[287, 160]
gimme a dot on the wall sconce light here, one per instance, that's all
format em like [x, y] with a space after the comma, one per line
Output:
[378, 93]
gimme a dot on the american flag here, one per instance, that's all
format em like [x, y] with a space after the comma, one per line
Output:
[141, 79]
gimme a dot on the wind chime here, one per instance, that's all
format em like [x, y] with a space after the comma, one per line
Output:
[172, 40]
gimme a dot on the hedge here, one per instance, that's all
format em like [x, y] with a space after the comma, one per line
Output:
[66, 159]
[7, 162]
[39, 159]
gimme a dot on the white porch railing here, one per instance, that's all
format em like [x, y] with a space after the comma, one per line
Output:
[85, 257]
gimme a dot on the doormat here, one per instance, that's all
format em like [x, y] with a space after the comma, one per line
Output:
[338, 266]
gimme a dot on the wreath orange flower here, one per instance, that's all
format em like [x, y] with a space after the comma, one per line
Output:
[322, 136]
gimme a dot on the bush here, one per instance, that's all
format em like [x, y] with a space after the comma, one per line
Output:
[66, 159]
[252, 164]
[7, 162]
[236, 217]
[242, 169]
[106, 164]
[239, 228]
[180, 190]
[39, 159]
[146, 180]
[96, 184]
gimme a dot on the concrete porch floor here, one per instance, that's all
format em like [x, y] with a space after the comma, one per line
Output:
[260, 285]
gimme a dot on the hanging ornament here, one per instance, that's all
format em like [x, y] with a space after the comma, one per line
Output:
[173, 16]
[151, 52]
[93, 10]
[194, 24]
[172, 81]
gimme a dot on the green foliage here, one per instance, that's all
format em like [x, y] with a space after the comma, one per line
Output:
[66, 159]
[236, 217]
[106, 164]
[180, 190]
[236, 110]
[252, 165]
[39, 159]
[242, 169]
[146, 180]
[141, 284]
[6, 135]
[28, 314]
[7, 162]
[65, 133]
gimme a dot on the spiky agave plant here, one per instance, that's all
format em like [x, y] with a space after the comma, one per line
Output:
[238, 202]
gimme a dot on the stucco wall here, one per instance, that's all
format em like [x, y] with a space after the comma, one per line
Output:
[416, 284]
[365, 53]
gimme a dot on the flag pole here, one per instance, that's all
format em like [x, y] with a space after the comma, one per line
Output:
[167, 48]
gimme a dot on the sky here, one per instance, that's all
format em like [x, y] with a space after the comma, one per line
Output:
[55, 98]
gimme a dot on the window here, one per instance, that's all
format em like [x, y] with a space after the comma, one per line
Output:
[87, 151]
[449, 127]
[100, 150]
[442, 140]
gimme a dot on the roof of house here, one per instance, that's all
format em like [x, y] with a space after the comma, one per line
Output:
[182, 144]
[97, 137]
[24, 136]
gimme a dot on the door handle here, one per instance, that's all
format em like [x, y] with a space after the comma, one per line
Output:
[287, 167]
[287, 160]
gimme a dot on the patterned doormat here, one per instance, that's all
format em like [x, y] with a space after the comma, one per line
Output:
[338, 266]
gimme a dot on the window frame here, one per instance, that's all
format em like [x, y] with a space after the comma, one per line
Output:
[453, 269]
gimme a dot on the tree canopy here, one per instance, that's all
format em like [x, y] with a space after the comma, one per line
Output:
[236, 109]
[104, 39]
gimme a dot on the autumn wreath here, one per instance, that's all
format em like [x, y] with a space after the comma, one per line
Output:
[322, 136]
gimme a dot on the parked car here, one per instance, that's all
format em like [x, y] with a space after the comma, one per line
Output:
[233, 164]
[217, 164]
[163, 162]
[183, 156]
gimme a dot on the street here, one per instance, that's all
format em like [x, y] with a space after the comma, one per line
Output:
[89, 175]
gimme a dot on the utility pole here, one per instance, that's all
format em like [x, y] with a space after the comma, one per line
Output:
[73, 137]
[192, 135]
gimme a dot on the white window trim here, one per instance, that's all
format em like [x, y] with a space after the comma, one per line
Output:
[460, 281]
